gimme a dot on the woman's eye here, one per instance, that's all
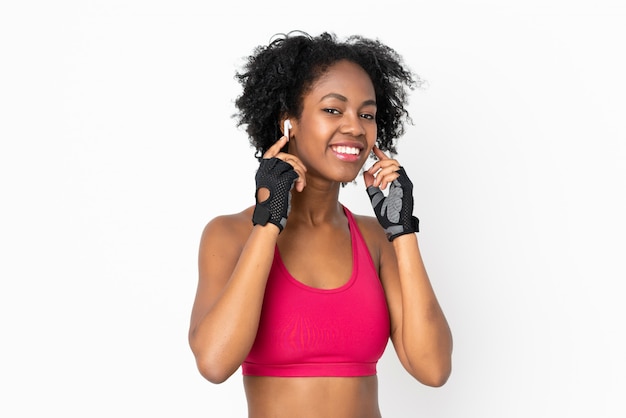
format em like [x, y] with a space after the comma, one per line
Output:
[367, 116]
[331, 111]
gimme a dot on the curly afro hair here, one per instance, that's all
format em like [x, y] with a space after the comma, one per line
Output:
[276, 77]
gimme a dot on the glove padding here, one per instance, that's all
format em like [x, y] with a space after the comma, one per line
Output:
[395, 212]
[278, 178]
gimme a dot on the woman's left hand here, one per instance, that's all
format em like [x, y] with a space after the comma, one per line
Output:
[394, 212]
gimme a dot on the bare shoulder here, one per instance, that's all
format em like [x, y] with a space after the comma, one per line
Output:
[221, 244]
[374, 236]
[228, 232]
[370, 228]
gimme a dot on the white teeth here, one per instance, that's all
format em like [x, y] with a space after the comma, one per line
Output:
[347, 150]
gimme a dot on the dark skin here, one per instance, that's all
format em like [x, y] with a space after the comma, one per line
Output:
[329, 144]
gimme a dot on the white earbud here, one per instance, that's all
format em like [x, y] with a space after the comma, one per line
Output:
[286, 127]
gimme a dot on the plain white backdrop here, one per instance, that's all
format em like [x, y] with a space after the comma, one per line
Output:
[118, 146]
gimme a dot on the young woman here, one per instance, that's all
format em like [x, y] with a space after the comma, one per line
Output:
[297, 290]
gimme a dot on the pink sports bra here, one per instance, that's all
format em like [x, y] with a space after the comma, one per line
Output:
[306, 331]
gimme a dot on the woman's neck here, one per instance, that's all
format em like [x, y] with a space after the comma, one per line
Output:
[317, 204]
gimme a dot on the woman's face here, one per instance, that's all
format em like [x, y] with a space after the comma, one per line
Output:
[337, 128]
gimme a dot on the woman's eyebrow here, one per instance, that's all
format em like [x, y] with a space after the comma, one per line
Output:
[345, 99]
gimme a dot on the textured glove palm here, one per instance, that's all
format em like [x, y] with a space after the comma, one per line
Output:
[278, 178]
[395, 212]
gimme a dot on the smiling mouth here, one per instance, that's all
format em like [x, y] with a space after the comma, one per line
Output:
[346, 150]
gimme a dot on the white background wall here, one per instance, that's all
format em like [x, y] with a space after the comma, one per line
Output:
[117, 147]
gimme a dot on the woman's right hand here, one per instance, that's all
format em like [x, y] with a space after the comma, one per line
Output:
[277, 174]
[299, 168]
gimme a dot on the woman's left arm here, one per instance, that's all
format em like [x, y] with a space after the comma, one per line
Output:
[419, 329]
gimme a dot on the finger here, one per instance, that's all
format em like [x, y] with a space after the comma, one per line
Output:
[387, 169]
[293, 161]
[298, 167]
[379, 154]
[381, 164]
[386, 175]
[382, 169]
[276, 147]
[387, 179]
[300, 183]
[368, 178]
[386, 165]
[301, 180]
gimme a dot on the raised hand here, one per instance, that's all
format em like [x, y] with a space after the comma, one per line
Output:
[276, 176]
[395, 211]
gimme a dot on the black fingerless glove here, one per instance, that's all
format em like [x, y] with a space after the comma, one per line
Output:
[278, 178]
[395, 212]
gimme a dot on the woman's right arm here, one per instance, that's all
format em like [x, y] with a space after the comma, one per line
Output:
[234, 263]
[231, 286]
